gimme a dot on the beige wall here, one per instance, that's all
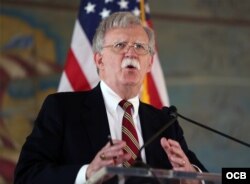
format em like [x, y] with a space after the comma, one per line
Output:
[203, 48]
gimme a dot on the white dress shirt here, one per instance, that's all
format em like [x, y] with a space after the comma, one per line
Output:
[115, 114]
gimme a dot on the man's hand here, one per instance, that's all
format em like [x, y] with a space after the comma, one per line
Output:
[108, 156]
[178, 158]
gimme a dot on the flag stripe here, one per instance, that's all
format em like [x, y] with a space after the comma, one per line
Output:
[159, 82]
[83, 53]
[154, 99]
[64, 84]
[158, 95]
[74, 73]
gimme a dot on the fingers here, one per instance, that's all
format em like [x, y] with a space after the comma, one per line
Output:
[176, 155]
[109, 155]
[110, 152]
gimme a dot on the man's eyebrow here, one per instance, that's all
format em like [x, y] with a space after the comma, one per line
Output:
[138, 42]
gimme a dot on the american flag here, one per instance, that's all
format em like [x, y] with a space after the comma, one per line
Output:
[80, 70]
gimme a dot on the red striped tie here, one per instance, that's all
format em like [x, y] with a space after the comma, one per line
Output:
[129, 134]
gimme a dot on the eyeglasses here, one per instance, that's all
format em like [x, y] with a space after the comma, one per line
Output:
[122, 47]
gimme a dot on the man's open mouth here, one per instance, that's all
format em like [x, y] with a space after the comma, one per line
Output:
[130, 64]
[131, 67]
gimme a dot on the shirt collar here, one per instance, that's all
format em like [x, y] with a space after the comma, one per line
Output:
[112, 99]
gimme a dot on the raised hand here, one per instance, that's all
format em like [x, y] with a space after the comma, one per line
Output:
[109, 155]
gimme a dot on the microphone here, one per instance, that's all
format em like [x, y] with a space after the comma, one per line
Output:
[173, 110]
[173, 118]
[138, 161]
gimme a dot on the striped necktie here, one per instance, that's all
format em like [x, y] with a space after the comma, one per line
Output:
[129, 134]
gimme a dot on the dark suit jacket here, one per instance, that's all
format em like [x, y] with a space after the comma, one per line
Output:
[72, 127]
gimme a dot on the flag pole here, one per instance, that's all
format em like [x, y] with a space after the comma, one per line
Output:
[145, 95]
[142, 8]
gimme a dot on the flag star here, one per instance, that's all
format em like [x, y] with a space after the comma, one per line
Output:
[105, 13]
[108, 1]
[147, 9]
[123, 4]
[136, 12]
[90, 8]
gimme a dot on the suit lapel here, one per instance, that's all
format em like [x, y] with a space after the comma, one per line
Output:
[151, 122]
[97, 121]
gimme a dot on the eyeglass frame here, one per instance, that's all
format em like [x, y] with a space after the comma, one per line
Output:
[127, 46]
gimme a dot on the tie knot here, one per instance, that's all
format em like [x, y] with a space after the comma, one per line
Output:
[125, 105]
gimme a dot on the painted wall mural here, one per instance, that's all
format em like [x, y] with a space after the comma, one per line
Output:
[29, 71]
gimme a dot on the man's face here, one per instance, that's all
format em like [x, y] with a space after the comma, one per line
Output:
[126, 67]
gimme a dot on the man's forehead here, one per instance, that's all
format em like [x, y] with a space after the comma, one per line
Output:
[131, 33]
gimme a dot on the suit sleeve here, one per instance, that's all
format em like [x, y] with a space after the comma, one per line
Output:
[40, 158]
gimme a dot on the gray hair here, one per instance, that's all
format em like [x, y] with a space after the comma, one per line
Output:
[120, 20]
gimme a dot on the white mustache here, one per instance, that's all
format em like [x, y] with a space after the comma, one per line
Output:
[130, 62]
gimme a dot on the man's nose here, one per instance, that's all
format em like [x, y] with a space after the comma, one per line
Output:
[131, 50]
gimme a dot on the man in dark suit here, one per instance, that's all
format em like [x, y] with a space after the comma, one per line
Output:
[69, 141]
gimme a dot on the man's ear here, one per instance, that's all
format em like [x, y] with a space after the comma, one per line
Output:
[98, 60]
[151, 60]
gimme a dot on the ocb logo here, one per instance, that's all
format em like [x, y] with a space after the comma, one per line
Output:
[235, 175]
